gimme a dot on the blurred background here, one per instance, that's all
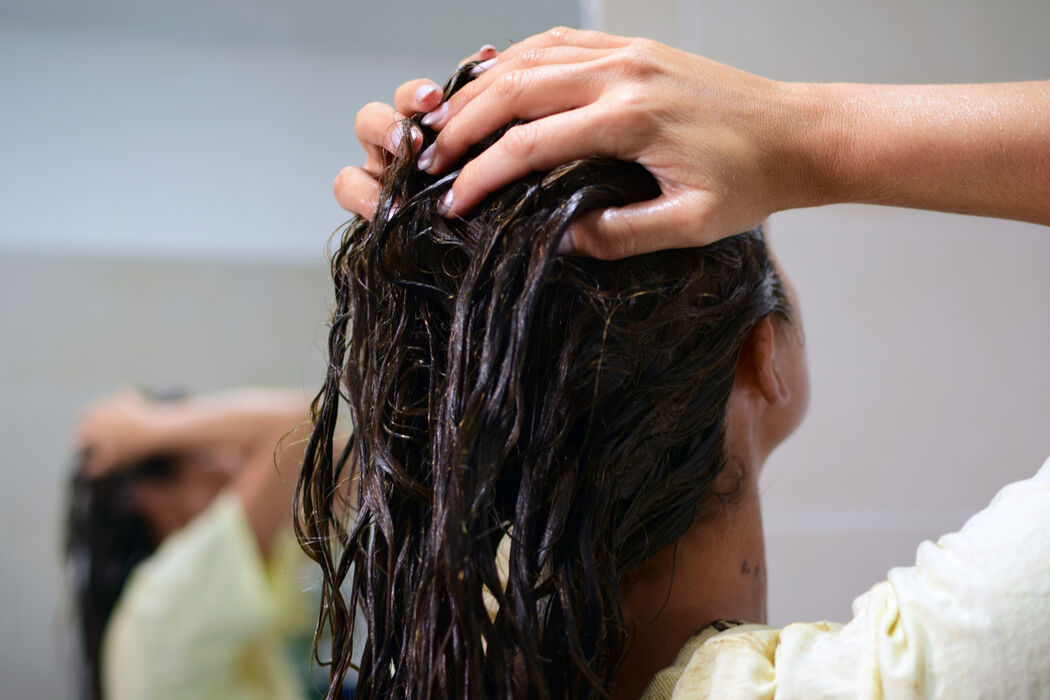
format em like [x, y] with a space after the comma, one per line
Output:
[165, 203]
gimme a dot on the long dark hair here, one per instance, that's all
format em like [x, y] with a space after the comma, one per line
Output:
[107, 536]
[568, 410]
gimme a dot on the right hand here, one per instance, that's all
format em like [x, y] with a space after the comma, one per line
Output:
[728, 148]
[116, 432]
[357, 189]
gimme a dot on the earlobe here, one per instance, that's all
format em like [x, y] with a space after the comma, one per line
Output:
[762, 359]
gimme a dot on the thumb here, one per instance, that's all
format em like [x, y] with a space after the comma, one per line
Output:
[642, 227]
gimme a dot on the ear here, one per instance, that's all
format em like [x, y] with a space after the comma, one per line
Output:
[757, 370]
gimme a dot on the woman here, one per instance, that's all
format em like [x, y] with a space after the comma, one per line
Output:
[185, 581]
[725, 149]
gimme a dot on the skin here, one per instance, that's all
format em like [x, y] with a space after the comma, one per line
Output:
[248, 441]
[728, 148]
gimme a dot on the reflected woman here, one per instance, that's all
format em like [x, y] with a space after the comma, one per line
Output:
[186, 580]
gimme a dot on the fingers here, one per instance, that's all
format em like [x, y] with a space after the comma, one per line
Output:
[515, 94]
[417, 96]
[423, 95]
[437, 113]
[378, 130]
[98, 427]
[669, 221]
[525, 148]
[483, 54]
[531, 80]
[357, 191]
[566, 36]
[542, 50]
[524, 60]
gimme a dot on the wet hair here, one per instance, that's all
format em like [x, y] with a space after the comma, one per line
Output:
[566, 411]
[107, 536]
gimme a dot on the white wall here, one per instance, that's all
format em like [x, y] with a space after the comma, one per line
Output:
[927, 333]
[205, 129]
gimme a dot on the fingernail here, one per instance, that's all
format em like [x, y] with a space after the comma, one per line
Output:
[482, 67]
[445, 204]
[426, 158]
[437, 115]
[487, 50]
[424, 91]
[391, 211]
[393, 139]
[567, 243]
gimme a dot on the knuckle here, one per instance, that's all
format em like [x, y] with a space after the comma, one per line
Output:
[636, 58]
[520, 140]
[531, 57]
[558, 35]
[342, 180]
[364, 112]
[635, 100]
[632, 108]
[343, 187]
[510, 86]
[645, 45]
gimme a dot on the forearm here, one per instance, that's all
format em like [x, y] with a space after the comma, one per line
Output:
[971, 149]
[248, 420]
[266, 484]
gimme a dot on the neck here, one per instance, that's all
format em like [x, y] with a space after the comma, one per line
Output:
[716, 571]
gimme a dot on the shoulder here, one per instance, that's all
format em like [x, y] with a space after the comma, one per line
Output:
[967, 620]
[744, 661]
[215, 552]
[191, 607]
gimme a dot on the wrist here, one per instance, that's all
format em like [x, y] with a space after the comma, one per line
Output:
[189, 424]
[157, 427]
[812, 146]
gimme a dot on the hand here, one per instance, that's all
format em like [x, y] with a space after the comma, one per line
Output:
[117, 432]
[724, 145]
[357, 189]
